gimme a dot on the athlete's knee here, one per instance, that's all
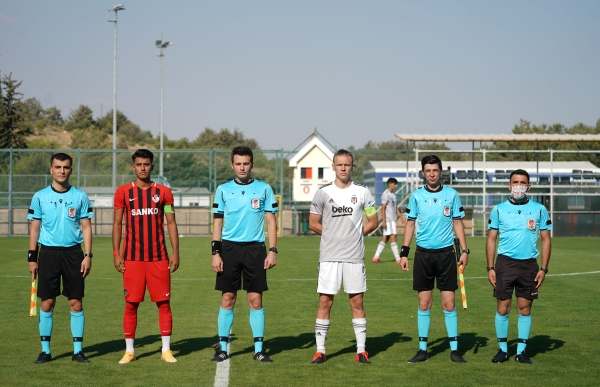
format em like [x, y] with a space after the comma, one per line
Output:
[75, 305]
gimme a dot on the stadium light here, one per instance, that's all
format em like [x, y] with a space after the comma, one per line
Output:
[115, 9]
[160, 45]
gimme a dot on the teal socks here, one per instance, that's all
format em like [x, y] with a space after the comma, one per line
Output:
[224, 322]
[452, 328]
[257, 323]
[423, 322]
[502, 331]
[524, 326]
[77, 326]
[45, 325]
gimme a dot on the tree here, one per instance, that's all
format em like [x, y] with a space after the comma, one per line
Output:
[53, 117]
[80, 118]
[13, 128]
[90, 138]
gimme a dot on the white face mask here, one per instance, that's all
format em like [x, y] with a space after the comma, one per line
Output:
[518, 191]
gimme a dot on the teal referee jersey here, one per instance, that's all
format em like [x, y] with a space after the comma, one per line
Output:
[434, 212]
[243, 207]
[60, 214]
[518, 226]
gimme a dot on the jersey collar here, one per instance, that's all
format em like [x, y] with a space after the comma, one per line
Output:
[439, 190]
[61, 192]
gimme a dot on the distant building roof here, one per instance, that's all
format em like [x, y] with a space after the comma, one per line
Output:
[500, 137]
[315, 139]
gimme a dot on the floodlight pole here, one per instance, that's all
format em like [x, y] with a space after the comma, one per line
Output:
[161, 46]
[115, 9]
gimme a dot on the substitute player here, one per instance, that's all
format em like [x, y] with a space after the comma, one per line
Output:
[60, 220]
[518, 221]
[238, 248]
[144, 261]
[389, 214]
[336, 214]
[438, 213]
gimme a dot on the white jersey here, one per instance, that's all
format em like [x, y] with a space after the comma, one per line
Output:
[341, 215]
[389, 199]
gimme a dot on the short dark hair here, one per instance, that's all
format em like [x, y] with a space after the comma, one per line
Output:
[61, 157]
[431, 159]
[142, 154]
[343, 152]
[242, 151]
[521, 172]
[392, 180]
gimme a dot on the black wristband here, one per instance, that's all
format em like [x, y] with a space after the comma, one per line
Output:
[216, 247]
[404, 250]
[32, 256]
[490, 268]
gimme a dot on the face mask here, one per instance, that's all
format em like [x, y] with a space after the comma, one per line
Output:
[518, 191]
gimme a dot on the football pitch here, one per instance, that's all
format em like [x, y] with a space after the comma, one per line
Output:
[563, 343]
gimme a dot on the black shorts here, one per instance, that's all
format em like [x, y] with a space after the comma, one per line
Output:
[438, 265]
[243, 259]
[56, 262]
[516, 274]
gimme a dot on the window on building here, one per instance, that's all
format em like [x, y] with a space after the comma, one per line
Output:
[306, 173]
[321, 173]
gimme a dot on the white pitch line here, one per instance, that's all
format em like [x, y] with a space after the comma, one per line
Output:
[222, 373]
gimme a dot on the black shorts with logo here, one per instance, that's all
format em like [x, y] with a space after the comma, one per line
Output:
[242, 259]
[55, 263]
[438, 265]
[518, 274]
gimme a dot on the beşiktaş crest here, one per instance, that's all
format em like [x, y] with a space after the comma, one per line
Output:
[353, 199]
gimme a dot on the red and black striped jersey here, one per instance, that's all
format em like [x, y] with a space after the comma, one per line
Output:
[143, 214]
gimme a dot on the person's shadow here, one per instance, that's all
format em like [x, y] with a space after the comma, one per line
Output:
[376, 344]
[279, 344]
[466, 342]
[537, 344]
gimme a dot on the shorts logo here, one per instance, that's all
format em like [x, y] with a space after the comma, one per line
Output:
[125, 292]
[353, 199]
[255, 204]
[531, 224]
[72, 212]
[155, 198]
[446, 210]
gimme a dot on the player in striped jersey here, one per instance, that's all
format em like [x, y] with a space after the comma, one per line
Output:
[142, 205]
[60, 221]
[336, 214]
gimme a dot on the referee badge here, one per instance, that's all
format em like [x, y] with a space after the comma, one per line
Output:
[72, 212]
[255, 204]
[446, 210]
[531, 224]
[155, 198]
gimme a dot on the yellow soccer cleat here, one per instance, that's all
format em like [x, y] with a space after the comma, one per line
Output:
[127, 358]
[168, 357]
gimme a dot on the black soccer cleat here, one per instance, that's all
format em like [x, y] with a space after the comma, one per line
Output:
[262, 356]
[522, 358]
[419, 357]
[500, 357]
[43, 358]
[80, 357]
[220, 355]
[455, 357]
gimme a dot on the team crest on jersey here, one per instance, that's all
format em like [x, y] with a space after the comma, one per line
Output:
[155, 198]
[446, 210]
[353, 199]
[531, 224]
[255, 204]
[72, 212]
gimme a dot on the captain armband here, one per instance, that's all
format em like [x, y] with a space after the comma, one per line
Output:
[169, 209]
[369, 211]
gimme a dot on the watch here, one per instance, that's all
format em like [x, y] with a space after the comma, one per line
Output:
[467, 251]
[544, 270]
[273, 249]
[490, 268]
[89, 255]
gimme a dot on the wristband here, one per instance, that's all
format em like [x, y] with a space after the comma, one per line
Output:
[216, 247]
[115, 252]
[544, 270]
[32, 256]
[404, 250]
[490, 268]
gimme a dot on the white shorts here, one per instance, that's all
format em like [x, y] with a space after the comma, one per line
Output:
[390, 229]
[332, 274]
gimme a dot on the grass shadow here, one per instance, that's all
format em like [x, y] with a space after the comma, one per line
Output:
[537, 344]
[375, 345]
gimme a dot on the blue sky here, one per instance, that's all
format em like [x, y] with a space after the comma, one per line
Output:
[275, 70]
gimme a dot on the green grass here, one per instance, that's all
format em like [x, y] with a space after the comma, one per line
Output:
[563, 343]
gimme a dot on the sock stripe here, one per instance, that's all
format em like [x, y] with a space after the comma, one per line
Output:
[224, 338]
[522, 341]
[423, 339]
[258, 339]
[455, 338]
[77, 339]
[502, 339]
[45, 338]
